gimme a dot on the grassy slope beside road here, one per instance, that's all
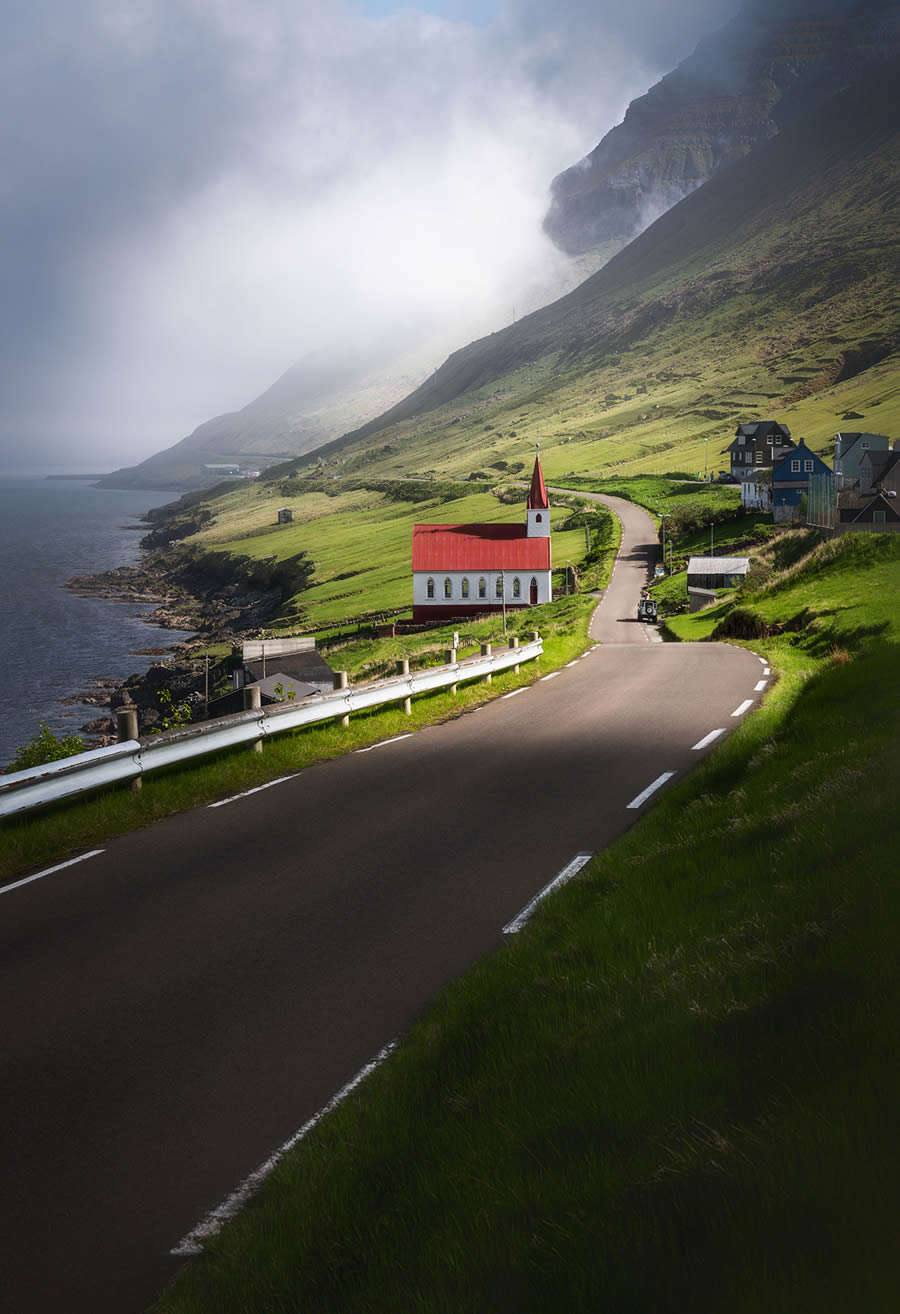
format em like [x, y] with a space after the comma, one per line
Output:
[676, 1089]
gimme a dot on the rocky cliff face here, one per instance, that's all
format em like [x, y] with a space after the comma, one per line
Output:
[716, 107]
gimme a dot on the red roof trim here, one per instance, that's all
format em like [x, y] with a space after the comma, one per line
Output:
[478, 547]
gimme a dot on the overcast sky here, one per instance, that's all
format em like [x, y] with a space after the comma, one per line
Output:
[195, 193]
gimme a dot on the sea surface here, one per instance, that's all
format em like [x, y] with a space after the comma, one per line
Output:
[54, 644]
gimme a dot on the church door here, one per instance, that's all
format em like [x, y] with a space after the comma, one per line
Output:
[533, 591]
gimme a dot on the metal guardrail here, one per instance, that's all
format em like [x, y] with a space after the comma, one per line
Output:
[120, 763]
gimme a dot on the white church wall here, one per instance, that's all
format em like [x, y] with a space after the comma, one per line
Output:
[456, 577]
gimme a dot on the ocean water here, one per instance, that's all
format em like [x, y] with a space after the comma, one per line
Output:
[54, 644]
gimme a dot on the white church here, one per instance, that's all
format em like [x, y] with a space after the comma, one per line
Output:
[466, 570]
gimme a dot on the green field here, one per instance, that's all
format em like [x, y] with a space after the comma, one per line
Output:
[675, 1090]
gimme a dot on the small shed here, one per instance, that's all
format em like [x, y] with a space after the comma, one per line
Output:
[717, 572]
[285, 515]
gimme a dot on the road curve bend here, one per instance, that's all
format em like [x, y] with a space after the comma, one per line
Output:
[178, 1004]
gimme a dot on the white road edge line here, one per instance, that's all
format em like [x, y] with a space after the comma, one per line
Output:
[745, 706]
[575, 663]
[758, 688]
[247, 792]
[396, 739]
[651, 789]
[50, 870]
[767, 671]
[192, 1244]
[551, 676]
[571, 869]
[513, 694]
[707, 739]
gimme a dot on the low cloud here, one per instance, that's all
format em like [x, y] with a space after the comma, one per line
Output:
[198, 192]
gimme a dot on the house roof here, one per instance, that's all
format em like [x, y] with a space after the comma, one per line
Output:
[537, 494]
[759, 428]
[478, 547]
[718, 565]
[848, 515]
[882, 462]
[268, 688]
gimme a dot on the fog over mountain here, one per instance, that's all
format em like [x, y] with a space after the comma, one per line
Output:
[198, 193]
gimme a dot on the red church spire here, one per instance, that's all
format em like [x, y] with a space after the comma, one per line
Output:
[537, 494]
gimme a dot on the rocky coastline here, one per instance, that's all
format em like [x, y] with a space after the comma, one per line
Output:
[170, 590]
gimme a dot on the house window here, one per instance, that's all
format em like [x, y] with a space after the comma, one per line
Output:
[770, 440]
[448, 588]
[482, 587]
[517, 587]
[429, 587]
[807, 466]
[465, 587]
[498, 587]
[795, 467]
[865, 445]
[878, 517]
[759, 457]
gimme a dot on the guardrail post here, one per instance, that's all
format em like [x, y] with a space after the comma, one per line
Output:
[450, 655]
[514, 643]
[403, 669]
[127, 728]
[486, 652]
[535, 635]
[341, 681]
[252, 703]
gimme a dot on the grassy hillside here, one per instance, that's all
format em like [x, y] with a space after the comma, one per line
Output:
[674, 1090]
[771, 290]
[360, 540]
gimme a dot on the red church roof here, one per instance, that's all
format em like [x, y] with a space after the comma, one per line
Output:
[537, 494]
[478, 547]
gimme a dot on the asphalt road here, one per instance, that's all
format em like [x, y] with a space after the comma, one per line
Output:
[175, 1007]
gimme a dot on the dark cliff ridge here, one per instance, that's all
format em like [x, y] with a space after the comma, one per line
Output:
[729, 96]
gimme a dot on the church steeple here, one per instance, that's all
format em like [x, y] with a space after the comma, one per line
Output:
[538, 504]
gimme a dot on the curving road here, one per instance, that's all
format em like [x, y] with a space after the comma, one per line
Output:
[176, 1006]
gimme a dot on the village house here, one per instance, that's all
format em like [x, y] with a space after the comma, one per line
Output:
[849, 449]
[757, 445]
[790, 481]
[466, 570]
[879, 472]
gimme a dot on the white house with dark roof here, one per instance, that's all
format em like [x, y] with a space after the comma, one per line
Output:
[466, 570]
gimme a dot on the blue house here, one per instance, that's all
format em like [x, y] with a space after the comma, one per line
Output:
[790, 480]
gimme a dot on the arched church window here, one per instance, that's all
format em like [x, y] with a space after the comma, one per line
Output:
[465, 586]
[538, 518]
[448, 588]
[517, 587]
[482, 587]
[498, 587]
[430, 588]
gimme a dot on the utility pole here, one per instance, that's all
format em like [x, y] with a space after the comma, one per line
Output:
[663, 520]
[503, 599]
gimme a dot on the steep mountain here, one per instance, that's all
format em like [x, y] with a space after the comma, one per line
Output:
[721, 103]
[771, 287]
[314, 401]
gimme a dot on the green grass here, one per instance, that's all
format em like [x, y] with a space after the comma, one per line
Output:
[676, 1089]
[360, 541]
[52, 834]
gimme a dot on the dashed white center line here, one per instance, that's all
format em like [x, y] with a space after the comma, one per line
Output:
[745, 705]
[707, 739]
[551, 676]
[513, 694]
[396, 740]
[192, 1244]
[570, 870]
[48, 871]
[651, 789]
[247, 792]
[758, 688]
